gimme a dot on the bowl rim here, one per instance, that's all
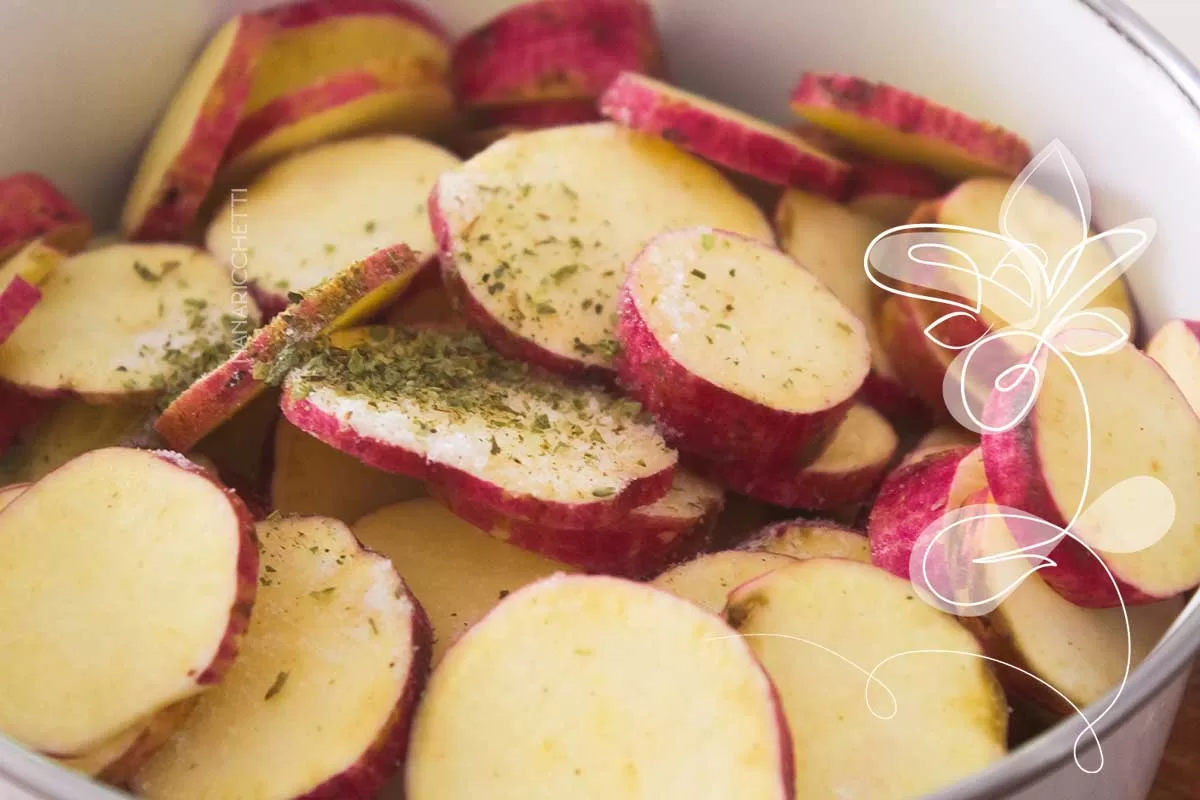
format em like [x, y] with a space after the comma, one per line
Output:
[1018, 770]
[1170, 660]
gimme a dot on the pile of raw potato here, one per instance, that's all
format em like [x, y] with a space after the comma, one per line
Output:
[436, 503]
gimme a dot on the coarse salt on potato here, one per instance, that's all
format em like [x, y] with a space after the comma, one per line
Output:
[536, 232]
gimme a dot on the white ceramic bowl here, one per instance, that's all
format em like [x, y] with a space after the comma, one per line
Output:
[84, 82]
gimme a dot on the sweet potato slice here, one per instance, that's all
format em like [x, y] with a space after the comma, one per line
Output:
[587, 687]
[176, 551]
[33, 208]
[351, 103]
[708, 579]
[320, 700]
[355, 293]
[938, 440]
[181, 159]
[1176, 347]
[535, 235]
[534, 116]
[117, 759]
[555, 50]
[489, 431]
[1141, 427]
[317, 38]
[819, 627]
[457, 570]
[894, 125]
[918, 363]
[122, 321]
[20, 277]
[319, 210]
[889, 193]
[722, 134]
[71, 429]
[847, 468]
[811, 538]
[11, 492]
[19, 412]
[1081, 653]
[700, 347]
[914, 496]
[649, 538]
[831, 240]
[310, 477]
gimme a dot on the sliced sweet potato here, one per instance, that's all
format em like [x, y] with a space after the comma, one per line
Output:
[535, 235]
[534, 116]
[310, 477]
[320, 700]
[857, 658]
[554, 50]
[811, 538]
[457, 570]
[33, 208]
[123, 320]
[426, 303]
[1082, 653]
[919, 363]
[1142, 429]
[894, 125]
[700, 347]
[847, 468]
[71, 429]
[19, 412]
[326, 207]
[504, 714]
[672, 528]
[708, 579]
[351, 103]
[119, 758]
[176, 552]
[940, 439]
[722, 134]
[11, 492]
[889, 193]
[355, 293]
[181, 159]
[489, 431]
[914, 496]
[317, 38]
[20, 277]
[831, 240]
[1176, 347]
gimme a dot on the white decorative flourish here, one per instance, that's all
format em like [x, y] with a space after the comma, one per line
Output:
[1014, 299]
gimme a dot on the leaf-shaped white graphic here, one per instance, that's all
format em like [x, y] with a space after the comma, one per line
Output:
[1095, 263]
[1052, 175]
[1131, 516]
[945, 323]
[1093, 332]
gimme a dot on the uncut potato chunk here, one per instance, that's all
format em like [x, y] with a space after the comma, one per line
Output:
[120, 321]
[320, 700]
[358, 291]
[702, 349]
[490, 431]
[126, 585]
[310, 477]
[811, 538]
[674, 527]
[594, 688]
[535, 234]
[807, 620]
[319, 210]
[457, 570]
[1080, 652]
[1141, 427]
[181, 159]
[708, 579]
